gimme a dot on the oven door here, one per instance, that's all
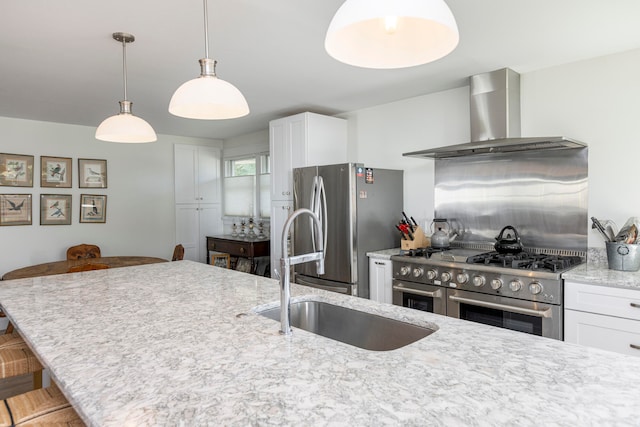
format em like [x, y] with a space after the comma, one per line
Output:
[419, 296]
[534, 318]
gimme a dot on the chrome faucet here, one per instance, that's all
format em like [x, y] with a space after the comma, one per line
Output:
[287, 261]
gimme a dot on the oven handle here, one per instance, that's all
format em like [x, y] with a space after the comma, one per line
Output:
[434, 294]
[520, 310]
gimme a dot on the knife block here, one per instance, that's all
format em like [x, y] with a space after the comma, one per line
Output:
[419, 241]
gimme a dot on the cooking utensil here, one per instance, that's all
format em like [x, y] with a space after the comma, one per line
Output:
[507, 244]
[406, 218]
[598, 226]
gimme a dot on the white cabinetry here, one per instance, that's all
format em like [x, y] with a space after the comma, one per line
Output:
[603, 317]
[380, 280]
[305, 139]
[197, 198]
[197, 174]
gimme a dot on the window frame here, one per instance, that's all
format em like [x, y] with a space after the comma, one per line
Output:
[262, 161]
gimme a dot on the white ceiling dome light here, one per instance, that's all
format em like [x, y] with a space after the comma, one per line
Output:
[125, 127]
[389, 34]
[207, 97]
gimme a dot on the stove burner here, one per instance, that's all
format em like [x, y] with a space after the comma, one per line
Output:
[527, 261]
[423, 252]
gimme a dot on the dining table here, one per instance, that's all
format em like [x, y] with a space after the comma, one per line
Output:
[61, 267]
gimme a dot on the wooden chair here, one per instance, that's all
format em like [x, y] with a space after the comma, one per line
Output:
[16, 359]
[46, 406]
[178, 253]
[87, 267]
[83, 251]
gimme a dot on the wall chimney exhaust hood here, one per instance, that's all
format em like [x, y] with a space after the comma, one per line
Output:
[495, 121]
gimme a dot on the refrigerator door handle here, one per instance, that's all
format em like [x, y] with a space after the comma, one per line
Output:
[314, 209]
[323, 219]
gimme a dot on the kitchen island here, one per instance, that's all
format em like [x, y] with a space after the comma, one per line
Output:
[180, 343]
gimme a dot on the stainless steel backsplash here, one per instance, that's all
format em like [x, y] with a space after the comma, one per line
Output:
[543, 194]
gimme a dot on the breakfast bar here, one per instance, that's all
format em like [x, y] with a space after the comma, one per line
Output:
[182, 343]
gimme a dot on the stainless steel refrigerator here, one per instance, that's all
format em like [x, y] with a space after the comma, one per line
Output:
[359, 208]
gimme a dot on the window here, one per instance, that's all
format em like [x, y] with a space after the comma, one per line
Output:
[247, 186]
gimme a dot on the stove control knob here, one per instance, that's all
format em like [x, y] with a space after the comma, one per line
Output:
[418, 272]
[478, 281]
[515, 285]
[535, 288]
[462, 278]
[404, 270]
[431, 274]
[446, 276]
[496, 284]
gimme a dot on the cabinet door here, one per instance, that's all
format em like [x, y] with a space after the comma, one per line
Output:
[280, 212]
[197, 174]
[186, 172]
[604, 332]
[280, 157]
[380, 280]
[210, 224]
[187, 226]
[209, 175]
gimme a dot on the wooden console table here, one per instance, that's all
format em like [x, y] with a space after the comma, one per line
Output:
[242, 247]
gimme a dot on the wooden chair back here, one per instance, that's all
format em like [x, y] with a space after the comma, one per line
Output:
[83, 251]
[87, 267]
[178, 253]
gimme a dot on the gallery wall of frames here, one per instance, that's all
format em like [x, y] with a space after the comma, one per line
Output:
[54, 203]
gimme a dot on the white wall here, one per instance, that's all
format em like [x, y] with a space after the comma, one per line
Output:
[379, 136]
[594, 101]
[597, 102]
[140, 199]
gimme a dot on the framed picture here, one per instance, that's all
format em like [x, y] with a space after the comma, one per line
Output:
[16, 170]
[243, 265]
[220, 259]
[92, 173]
[93, 208]
[55, 209]
[15, 209]
[55, 172]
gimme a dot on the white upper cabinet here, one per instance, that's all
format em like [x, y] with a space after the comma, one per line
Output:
[197, 174]
[305, 139]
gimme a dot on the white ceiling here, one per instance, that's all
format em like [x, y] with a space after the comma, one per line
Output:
[59, 63]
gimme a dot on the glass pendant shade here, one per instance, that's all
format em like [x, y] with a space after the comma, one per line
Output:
[208, 98]
[389, 34]
[125, 127]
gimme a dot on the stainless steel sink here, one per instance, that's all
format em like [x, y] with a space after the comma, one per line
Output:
[357, 328]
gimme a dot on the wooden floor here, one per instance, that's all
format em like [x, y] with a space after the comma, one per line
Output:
[15, 385]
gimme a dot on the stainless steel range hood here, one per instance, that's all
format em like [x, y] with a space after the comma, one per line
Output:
[495, 121]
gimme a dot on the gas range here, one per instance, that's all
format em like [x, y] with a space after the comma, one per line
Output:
[525, 275]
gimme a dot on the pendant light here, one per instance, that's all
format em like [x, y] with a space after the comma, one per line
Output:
[207, 97]
[125, 127]
[391, 33]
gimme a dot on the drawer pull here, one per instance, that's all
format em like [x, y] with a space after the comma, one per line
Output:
[242, 250]
[634, 346]
[634, 305]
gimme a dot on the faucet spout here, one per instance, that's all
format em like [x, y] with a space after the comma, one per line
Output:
[287, 261]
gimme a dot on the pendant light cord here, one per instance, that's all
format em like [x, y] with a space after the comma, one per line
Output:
[206, 30]
[124, 66]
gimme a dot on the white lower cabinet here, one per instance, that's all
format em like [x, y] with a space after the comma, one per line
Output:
[602, 317]
[380, 280]
[194, 222]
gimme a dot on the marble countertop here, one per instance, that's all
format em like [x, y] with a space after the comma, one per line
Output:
[596, 272]
[384, 253]
[180, 343]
